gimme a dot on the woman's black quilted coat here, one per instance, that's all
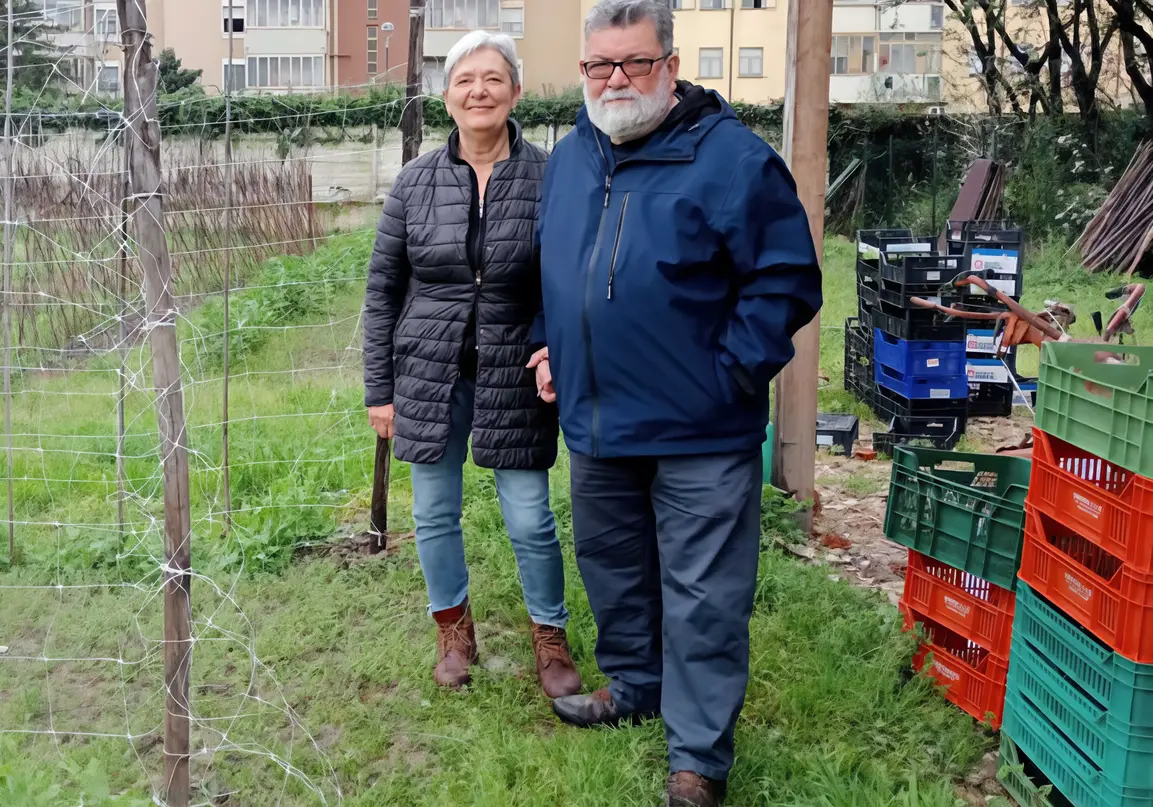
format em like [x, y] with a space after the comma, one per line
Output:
[421, 292]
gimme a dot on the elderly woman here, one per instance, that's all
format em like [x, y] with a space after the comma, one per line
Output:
[453, 287]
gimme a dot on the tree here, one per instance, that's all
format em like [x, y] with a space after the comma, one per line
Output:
[1084, 39]
[1135, 21]
[35, 56]
[174, 77]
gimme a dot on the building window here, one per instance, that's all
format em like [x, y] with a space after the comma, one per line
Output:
[434, 78]
[933, 88]
[936, 17]
[464, 14]
[108, 79]
[839, 64]
[752, 62]
[64, 15]
[285, 72]
[71, 70]
[373, 52]
[286, 13]
[233, 19]
[713, 4]
[712, 63]
[372, 9]
[512, 21]
[754, 3]
[677, 5]
[235, 76]
[520, 70]
[107, 24]
[899, 58]
[976, 65]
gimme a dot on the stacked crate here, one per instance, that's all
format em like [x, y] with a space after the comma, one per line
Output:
[1079, 708]
[918, 384]
[962, 517]
[995, 251]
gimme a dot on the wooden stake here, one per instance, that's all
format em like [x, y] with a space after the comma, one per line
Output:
[412, 121]
[806, 151]
[6, 315]
[140, 80]
[226, 480]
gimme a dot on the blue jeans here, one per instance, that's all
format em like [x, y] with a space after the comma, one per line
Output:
[437, 499]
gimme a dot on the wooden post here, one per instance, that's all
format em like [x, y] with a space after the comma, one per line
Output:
[806, 151]
[140, 117]
[6, 315]
[122, 293]
[374, 181]
[226, 479]
[412, 121]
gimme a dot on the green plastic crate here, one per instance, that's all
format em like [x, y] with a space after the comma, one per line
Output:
[966, 510]
[1061, 762]
[1103, 704]
[1024, 780]
[1105, 409]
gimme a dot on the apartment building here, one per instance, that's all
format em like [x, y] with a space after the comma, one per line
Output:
[371, 42]
[547, 34]
[86, 38]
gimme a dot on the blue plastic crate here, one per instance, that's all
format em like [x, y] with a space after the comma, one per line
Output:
[920, 389]
[919, 359]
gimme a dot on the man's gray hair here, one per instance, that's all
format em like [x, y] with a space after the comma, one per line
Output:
[479, 40]
[622, 13]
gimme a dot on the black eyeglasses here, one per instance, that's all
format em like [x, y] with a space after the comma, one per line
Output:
[633, 68]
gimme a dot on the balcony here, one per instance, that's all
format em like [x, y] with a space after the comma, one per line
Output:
[885, 88]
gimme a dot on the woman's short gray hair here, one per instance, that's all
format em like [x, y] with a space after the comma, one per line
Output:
[479, 40]
[622, 13]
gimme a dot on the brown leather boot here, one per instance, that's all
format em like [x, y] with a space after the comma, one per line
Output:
[456, 644]
[688, 789]
[554, 664]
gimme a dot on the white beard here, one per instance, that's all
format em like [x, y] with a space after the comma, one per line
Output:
[628, 121]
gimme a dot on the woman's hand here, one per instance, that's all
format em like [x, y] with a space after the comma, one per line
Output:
[544, 388]
[381, 419]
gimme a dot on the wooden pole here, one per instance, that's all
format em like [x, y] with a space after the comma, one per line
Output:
[6, 315]
[228, 213]
[412, 121]
[143, 131]
[806, 151]
[122, 293]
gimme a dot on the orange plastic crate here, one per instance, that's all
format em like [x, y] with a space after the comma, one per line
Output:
[1103, 502]
[975, 608]
[1101, 592]
[971, 677]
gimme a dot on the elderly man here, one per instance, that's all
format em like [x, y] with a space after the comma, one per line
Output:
[676, 266]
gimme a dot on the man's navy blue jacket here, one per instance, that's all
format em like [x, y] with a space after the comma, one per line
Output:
[674, 274]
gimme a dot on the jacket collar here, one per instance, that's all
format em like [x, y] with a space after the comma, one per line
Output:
[678, 144]
[515, 140]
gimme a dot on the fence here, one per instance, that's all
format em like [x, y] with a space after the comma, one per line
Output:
[266, 289]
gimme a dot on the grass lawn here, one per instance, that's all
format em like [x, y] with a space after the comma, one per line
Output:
[311, 675]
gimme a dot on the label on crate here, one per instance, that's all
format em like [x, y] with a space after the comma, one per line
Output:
[986, 371]
[1078, 589]
[1008, 287]
[998, 261]
[1087, 506]
[981, 341]
[945, 672]
[956, 607]
[932, 275]
[868, 251]
[940, 393]
[932, 363]
[824, 439]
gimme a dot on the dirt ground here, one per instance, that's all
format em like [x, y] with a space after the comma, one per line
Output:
[849, 528]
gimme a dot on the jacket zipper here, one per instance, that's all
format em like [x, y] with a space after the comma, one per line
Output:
[588, 331]
[479, 260]
[617, 243]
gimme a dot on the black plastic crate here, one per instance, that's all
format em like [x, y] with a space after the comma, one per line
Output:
[942, 433]
[858, 358]
[888, 405]
[923, 272]
[995, 231]
[837, 431]
[919, 324]
[991, 400]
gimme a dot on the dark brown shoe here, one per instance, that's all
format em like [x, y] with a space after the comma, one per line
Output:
[554, 664]
[456, 646]
[596, 709]
[688, 789]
